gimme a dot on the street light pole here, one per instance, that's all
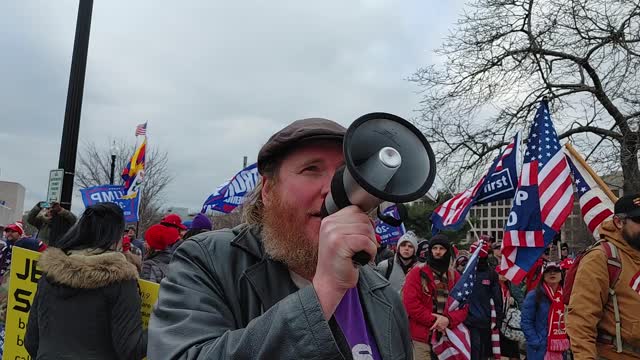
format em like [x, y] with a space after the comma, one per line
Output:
[114, 150]
[71, 128]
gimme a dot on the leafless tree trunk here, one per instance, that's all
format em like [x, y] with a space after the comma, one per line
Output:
[94, 167]
[505, 55]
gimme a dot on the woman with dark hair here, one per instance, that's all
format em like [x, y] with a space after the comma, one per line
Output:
[87, 305]
[543, 317]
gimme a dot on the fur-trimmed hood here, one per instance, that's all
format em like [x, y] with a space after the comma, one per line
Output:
[86, 269]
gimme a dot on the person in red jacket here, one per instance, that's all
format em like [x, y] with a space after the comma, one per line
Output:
[425, 294]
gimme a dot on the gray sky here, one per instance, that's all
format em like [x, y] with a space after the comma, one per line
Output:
[214, 79]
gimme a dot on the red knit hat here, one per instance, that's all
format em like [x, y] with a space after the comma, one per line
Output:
[159, 237]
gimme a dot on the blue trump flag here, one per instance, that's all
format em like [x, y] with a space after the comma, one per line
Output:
[390, 234]
[499, 182]
[232, 193]
[112, 193]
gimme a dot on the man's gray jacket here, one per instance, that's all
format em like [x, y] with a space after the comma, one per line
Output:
[224, 299]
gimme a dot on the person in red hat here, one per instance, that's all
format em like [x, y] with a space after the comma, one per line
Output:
[14, 235]
[174, 220]
[157, 239]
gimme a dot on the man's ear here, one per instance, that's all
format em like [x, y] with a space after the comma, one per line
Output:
[617, 222]
[267, 189]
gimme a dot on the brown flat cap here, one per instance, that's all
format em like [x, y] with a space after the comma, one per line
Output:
[293, 134]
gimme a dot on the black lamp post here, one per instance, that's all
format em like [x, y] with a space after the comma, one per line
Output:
[71, 128]
[114, 151]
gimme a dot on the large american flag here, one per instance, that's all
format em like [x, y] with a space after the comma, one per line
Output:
[451, 214]
[596, 207]
[455, 344]
[141, 129]
[543, 200]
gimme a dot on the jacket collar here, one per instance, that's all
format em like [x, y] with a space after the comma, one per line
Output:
[377, 309]
[612, 234]
[247, 237]
[86, 269]
[265, 276]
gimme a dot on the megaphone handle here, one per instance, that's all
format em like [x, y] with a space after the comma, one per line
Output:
[361, 258]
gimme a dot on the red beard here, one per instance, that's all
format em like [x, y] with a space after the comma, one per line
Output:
[284, 238]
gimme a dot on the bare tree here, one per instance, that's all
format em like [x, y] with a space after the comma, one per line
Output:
[505, 55]
[94, 168]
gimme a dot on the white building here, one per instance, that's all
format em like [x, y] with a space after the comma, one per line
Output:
[11, 202]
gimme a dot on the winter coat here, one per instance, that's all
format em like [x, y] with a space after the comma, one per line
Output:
[87, 306]
[533, 322]
[383, 254]
[224, 298]
[486, 286]
[418, 301]
[397, 275]
[154, 267]
[586, 313]
[37, 218]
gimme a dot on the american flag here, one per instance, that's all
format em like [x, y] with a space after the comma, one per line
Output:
[451, 214]
[141, 129]
[495, 332]
[543, 200]
[595, 206]
[635, 283]
[455, 344]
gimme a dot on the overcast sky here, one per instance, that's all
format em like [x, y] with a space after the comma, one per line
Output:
[214, 79]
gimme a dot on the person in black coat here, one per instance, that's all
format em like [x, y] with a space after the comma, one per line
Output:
[87, 305]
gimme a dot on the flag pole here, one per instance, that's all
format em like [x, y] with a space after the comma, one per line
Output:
[593, 174]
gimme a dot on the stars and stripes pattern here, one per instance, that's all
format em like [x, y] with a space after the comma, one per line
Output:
[495, 332]
[451, 214]
[543, 200]
[507, 152]
[141, 130]
[635, 283]
[596, 207]
[455, 344]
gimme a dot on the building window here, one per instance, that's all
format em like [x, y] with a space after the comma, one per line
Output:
[493, 223]
[501, 212]
[501, 223]
[500, 235]
[485, 224]
[485, 213]
[493, 212]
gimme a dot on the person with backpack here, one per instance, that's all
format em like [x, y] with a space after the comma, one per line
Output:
[395, 269]
[603, 319]
[425, 295]
[512, 298]
[543, 320]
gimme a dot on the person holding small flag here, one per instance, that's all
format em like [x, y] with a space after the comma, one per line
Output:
[603, 320]
[486, 295]
[425, 295]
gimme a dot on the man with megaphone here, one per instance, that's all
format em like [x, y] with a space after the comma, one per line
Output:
[288, 283]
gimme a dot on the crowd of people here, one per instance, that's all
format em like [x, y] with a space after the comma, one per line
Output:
[283, 284]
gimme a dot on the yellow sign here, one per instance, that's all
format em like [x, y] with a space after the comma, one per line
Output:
[149, 295]
[22, 288]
